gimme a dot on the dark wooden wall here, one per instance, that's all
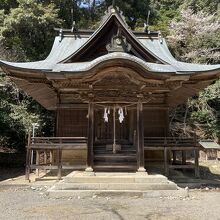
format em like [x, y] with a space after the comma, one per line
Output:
[72, 123]
[156, 123]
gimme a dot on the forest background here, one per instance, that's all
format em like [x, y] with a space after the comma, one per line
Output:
[191, 27]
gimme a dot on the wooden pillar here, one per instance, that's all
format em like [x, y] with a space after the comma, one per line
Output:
[131, 126]
[114, 130]
[140, 138]
[90, 137]
[174, 156]
[183, 157]
[37, 161]
[166, 161]
[196, 152]
[45, 157]
[51, 157]
[28, 159]
[59, 157]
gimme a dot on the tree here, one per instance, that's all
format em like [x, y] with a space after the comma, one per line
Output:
[6, 5]
[17, 113]
[208, 6]
[195, 37]
[164, 11]
[26, 33]
[135, 11]
[29, 28]
[205, 111]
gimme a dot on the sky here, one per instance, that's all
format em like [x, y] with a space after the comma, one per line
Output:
[88, 3]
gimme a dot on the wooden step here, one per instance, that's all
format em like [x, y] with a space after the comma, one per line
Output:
[115, 167]
[122, 147]
[118, 152]
[115, 156]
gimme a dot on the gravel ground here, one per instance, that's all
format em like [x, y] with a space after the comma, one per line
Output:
[22, 200]
[32, 202]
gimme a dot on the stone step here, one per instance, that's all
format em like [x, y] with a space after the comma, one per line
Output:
[80, 183]
[115, 179]
[88, 194]
[116, 186]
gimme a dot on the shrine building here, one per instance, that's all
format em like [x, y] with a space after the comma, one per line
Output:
[111, 90]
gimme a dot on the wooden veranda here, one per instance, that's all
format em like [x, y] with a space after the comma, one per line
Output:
[46, 153]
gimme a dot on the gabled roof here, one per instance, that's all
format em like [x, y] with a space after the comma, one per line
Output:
[114, 19]
[148, 54]
[64, 49]
[70, 44]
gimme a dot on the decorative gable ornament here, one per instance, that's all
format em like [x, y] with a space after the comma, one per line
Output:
[118, 44]
[113, 10]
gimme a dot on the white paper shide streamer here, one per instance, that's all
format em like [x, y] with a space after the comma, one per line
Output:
[106, 113]
[121, 115]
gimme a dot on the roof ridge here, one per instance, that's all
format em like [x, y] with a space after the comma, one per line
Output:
[113, 10]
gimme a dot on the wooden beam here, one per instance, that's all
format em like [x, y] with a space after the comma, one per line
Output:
[73, 106]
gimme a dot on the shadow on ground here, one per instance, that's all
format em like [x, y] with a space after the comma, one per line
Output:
[11, 165]
[209, 175]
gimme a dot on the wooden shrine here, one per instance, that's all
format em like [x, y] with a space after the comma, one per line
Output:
[111, 89]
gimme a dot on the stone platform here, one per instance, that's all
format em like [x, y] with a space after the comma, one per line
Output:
[135, 184]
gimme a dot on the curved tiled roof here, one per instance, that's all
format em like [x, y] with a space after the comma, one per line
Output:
[66, 46]
[62, 49]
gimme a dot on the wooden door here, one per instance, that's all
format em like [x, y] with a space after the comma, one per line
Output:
[104, 131]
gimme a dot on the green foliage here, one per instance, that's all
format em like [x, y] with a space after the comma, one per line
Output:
[164, 12]
[208, 6]
[30, 28]
[17, 113]
[2, 18]
[135, 11]
[12, 133]
[8, 4]
[205, 110]
[64, 10]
